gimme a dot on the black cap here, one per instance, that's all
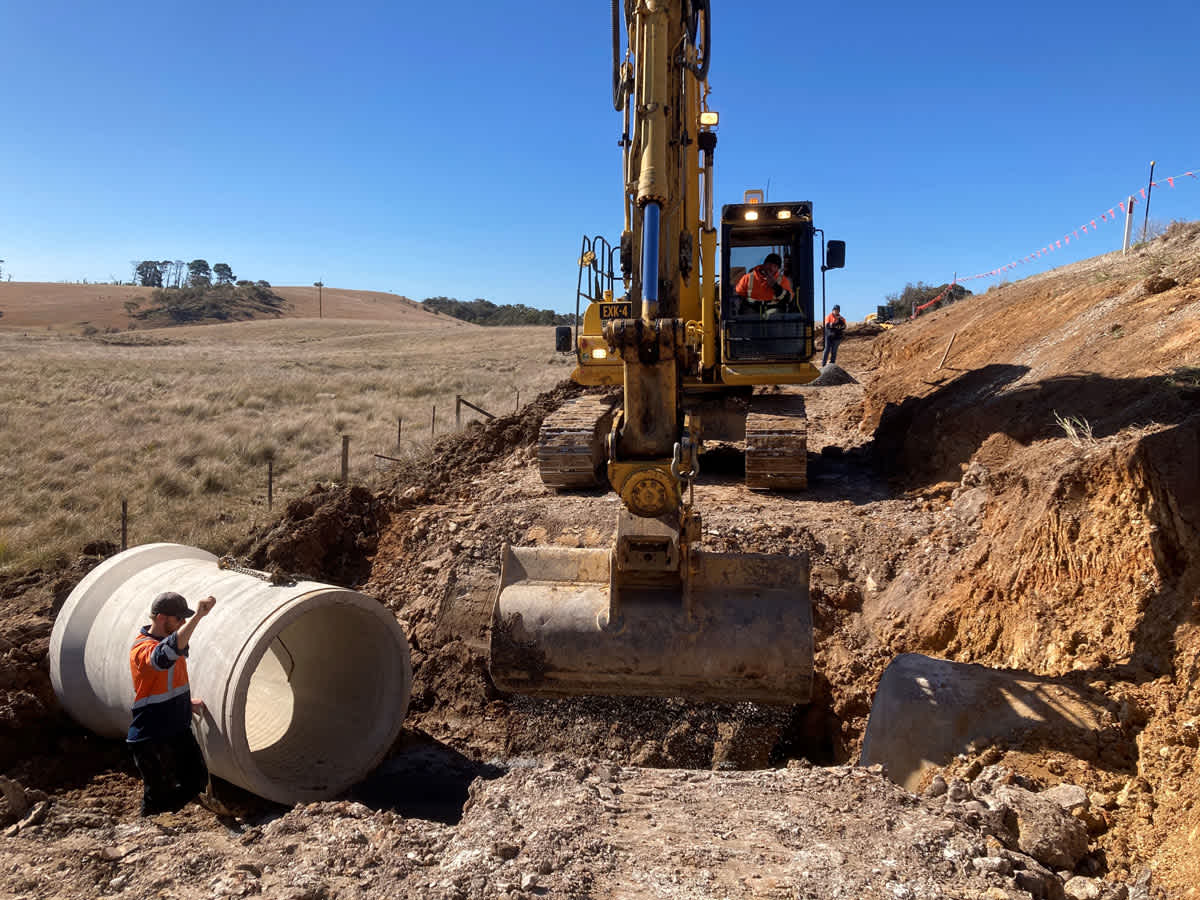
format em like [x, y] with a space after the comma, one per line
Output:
[171, 604]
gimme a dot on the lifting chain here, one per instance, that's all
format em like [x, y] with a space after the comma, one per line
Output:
[229, 564]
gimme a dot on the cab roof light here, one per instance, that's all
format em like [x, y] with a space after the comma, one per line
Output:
[710, 119]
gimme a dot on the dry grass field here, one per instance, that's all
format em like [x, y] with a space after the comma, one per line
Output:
[182, 422]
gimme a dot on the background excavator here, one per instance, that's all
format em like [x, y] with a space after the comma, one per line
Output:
[655, 614]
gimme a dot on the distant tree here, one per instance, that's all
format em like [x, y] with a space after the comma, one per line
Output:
[148, 274]
[485, 312]
[903, 302]
[1, 268]
[199, 273]
[176, 279]
[224, 273]
[262, 284]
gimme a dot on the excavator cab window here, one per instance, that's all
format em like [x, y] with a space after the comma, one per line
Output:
[766, 315]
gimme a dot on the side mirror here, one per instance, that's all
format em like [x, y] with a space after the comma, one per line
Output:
[562, 339]
[835, 254]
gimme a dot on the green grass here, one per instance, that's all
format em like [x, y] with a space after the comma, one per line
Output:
[182, 422]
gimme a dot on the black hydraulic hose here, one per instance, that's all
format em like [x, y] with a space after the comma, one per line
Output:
[618, 99]
[701, 9]
[707, 9]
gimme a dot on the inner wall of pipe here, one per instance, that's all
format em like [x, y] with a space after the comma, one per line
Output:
[317, 702]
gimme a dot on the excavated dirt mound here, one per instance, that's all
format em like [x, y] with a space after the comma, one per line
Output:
[1029, 499]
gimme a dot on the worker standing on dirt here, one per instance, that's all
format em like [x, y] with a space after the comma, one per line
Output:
[764, 285]
[165, 750]
[835, 328]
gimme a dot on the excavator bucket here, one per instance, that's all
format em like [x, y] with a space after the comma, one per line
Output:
[733, 627]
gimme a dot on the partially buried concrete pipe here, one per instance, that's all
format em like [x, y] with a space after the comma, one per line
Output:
[306, 685]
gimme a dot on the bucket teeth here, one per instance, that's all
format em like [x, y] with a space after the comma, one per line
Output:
[571, 443]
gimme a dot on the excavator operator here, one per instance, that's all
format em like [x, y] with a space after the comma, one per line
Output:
[763, 288]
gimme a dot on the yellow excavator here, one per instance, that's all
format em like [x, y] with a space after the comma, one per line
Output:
[688, 339]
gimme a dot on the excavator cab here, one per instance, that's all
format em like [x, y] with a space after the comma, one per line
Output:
[764, 321]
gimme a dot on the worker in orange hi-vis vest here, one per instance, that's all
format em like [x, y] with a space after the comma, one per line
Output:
[835, 328]
[764, 285]
[160, 737]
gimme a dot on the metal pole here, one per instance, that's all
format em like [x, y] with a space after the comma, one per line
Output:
[124, 525]
[1128, 225]
[345, 458]
[270, 482]
[518, 408]
[399, 426]
[1149, 188]
[433, 420]
[457, 411]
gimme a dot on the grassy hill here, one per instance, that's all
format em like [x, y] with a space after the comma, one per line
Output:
[103, 307]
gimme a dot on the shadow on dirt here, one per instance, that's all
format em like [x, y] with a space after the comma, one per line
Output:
[834, 474]
[424, 779]
[930, 438]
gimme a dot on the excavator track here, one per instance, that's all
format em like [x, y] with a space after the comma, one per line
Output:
[777, 445]
[571, 443]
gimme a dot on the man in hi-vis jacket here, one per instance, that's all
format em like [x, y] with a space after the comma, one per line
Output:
[169, 759]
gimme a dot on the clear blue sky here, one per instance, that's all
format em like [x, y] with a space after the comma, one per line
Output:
[462, 149]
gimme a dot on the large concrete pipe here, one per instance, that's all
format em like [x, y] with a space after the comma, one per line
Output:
[306, 684]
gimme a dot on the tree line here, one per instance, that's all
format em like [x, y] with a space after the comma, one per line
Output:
[170, 273]
[484, 312]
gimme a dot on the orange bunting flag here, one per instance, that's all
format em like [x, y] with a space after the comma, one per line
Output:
[1076, 234]
[1113, 215]
[1192, 174]
[1103, 217]
[1083, 228]
[1067, 237]
[1171, 181]
[1122, 205]
[1059, 244]
[1143, 193]
[1094, 222]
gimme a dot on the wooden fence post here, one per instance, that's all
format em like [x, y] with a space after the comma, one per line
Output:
[948, 346]
[345, 458]
[433, 421]
[124, 524]
[517, 408]
[270, 482]
[399, 425]
[457, 411]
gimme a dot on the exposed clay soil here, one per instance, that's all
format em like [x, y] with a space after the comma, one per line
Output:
[1032, 503]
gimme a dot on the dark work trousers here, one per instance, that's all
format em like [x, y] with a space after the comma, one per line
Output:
[831, 347]
[173, 772]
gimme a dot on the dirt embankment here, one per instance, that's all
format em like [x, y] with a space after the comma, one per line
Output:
[1032, 503]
